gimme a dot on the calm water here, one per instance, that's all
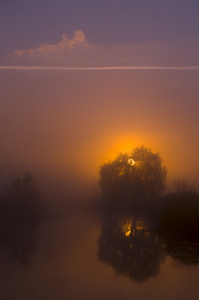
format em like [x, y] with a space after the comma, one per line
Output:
[88, 257]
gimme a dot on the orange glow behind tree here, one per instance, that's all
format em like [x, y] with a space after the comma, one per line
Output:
[133, 176]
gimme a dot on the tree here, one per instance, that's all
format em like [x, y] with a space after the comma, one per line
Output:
[133, 176]
[23, 198]
[183, 186]
[130, 248]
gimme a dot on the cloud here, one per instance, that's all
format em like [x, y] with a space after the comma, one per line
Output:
[77, 52]
[65, 44]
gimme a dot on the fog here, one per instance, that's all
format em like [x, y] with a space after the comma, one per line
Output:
[62, 125]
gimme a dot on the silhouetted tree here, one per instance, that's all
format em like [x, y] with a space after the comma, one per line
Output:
[23, 198]
[133, 176]
[182, 186]
[130, 248]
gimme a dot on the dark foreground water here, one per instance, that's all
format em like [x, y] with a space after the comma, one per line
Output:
[89, 257]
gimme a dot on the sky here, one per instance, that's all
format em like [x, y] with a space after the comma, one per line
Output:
[81, 81]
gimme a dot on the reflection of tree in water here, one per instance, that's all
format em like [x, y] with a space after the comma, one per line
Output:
[130, 248]
[19, 241]
[179, 224]
[183, 251]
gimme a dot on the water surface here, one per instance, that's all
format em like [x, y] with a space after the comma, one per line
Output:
[89, 257]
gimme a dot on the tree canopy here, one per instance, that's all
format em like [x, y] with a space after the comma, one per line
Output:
[138, 174]
[23, 198]
[130, 248]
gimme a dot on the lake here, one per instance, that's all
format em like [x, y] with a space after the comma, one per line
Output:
[95, 257]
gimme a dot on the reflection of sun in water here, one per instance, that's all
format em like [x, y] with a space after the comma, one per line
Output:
[127, 227]
[139, 225]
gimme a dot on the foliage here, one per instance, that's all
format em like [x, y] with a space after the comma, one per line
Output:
[23, 198]
[130, 248]
[132, 176]
[182, 186]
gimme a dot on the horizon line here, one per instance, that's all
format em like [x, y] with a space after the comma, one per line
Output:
[65, 68]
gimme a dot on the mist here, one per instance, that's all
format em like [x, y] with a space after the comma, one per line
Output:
[63, 125]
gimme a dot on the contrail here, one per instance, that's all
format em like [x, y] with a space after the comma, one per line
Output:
[65, 68]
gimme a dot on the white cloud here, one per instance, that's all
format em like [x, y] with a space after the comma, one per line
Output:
[65, 44]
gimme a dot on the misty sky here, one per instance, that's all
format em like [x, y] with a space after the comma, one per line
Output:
[82, 80]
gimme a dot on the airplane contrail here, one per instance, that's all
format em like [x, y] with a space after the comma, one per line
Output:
[65, 68]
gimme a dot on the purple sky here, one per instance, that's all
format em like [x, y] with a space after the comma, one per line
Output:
[117, 32]
[71, 121]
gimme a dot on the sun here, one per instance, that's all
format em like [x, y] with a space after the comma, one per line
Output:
[131, 162]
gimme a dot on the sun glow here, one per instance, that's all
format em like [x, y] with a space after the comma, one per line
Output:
[127, 227]
[120, 145]
[126, 143]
